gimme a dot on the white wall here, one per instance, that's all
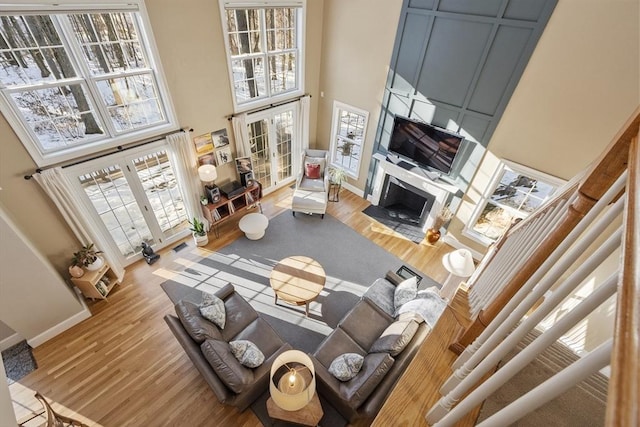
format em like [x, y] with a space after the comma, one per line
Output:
[7, 416]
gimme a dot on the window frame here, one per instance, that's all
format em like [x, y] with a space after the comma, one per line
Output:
[111, 138]
[468, 230]
[335, 117]
[267, 99]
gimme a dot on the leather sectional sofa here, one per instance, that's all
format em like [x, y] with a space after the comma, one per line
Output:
[358, 398]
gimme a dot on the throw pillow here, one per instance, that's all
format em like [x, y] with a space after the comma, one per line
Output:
[316, 161]
[405, 292]
[247, 353]
[312, 171]
[395, 338]
[346, 366]
[212, 309]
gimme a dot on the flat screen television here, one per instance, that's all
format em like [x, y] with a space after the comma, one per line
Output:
[428, 146]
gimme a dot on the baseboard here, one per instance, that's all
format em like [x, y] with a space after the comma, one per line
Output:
[452, 241]
[59, 328]
[10, 341]
[354, 190]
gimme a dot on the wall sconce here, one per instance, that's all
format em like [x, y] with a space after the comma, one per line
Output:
[293, 380]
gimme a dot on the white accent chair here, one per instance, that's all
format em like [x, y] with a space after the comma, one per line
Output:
[312, 194]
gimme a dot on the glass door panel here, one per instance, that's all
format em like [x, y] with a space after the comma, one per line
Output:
[260, 152]
[284, 137]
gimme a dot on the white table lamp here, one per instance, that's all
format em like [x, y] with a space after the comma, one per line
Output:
[460, 266]
[292, 381]
[207, 173]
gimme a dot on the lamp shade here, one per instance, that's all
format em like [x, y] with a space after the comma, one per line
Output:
[459, 263]
[292, 381]
[207, 173]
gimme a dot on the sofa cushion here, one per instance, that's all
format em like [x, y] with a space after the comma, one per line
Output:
[374, 369]
[381, 293]
[395, 338]
[405, 291]
[247, 353]
[262, 335]
[198, 328]
[337, 343]
[364, 323]
[309, 184]
[429, 305]
[226, 366]
[239, 315]
[346, 366]
[212, 309]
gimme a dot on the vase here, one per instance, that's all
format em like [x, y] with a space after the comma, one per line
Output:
[433, 235]
[76, 271]
[95, 265]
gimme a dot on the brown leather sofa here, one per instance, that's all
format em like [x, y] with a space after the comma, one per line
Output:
[363, 396]
[207, 347]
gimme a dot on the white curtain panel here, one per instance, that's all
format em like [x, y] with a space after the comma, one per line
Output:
[239, 124]
[186, 166]
[302, 131]
[57, 186]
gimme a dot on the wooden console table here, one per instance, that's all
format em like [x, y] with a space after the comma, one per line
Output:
[217, 213]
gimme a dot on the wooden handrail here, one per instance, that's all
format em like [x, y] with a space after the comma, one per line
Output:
[624, 385]
[602, 174]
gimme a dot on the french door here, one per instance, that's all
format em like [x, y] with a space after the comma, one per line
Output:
[273, 140]
[135, 197]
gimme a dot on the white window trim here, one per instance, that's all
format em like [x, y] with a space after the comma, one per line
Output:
[468, 230]
[146, 37]
[337, 106]
[300, 32]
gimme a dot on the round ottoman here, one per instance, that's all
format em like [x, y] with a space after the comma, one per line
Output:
[253, 225]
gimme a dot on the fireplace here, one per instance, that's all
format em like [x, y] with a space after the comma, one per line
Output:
[406, 202]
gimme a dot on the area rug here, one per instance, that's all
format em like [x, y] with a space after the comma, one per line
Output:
[351, 262]
[396, 221]
[18, 361]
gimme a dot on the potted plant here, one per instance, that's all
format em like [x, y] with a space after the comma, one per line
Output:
[87, 257]
[199, 233]
[433, 234]
[337, 175]
[346, 148]
[203, 200]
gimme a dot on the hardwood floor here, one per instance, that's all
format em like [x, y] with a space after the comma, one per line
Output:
[123, 367]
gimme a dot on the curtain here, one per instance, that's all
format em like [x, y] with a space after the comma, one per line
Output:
[185, 165]
[61, 191]
[243, 147]
[303, 120]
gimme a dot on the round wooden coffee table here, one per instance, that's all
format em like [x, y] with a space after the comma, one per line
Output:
[297, 280]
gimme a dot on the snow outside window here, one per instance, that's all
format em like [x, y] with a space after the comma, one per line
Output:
[515, 192]
[73, 83]
[264, 51]
[348, 131]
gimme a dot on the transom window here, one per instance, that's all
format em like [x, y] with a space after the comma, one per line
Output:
[348, 131]
[515, 192]
[264, 51]
[74, 81]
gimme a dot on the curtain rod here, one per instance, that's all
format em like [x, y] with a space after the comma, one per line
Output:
[257, 110]
[118, 149]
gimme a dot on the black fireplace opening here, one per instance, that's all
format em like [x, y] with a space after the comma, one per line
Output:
[405, 203]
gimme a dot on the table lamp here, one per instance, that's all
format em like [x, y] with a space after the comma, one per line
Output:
[293, 380]
[460, 266]
[208, 174]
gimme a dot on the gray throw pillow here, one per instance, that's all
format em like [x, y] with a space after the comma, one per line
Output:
[247, 353]
[346, 366]
[405, 292]
[395, 338]
[212, 309]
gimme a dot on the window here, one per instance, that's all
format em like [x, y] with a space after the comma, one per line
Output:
[72, 83]
[515, 192]
[264, 52]
[348, 131]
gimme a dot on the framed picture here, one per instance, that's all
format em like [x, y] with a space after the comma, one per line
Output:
[207, 159]
[243, 164]
[203, 143]
[220, 138]
[224, 155]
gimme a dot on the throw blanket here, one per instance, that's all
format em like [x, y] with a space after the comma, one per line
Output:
[427, 304]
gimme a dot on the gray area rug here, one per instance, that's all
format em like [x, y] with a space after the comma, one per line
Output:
[18, 361]
[351, 262]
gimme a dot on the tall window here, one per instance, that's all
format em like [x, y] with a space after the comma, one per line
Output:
[348, 131]
[515, 192]
[264, 51]
[74, 82]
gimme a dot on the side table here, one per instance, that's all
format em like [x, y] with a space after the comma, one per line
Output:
[310, 415]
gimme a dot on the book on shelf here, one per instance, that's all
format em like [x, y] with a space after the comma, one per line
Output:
[216, 215]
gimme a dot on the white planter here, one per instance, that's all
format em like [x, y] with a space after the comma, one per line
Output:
[201, 240]
[96, 265]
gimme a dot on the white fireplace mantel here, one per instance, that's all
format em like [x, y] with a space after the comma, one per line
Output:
[439, 189]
